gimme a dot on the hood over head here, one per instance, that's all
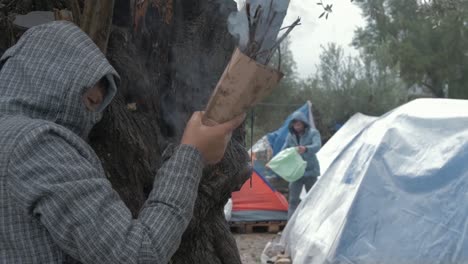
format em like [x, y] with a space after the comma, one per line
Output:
[46, 73]
[299, 116]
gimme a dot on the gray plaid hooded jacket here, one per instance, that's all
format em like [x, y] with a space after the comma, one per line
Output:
[55, 201]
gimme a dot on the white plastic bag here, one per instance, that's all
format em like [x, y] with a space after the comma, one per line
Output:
[272, 250]
[288, 164]
[228, 210]
[262, 150]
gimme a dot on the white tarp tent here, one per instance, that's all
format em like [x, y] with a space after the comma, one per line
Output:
[396, 193]
[345, 135]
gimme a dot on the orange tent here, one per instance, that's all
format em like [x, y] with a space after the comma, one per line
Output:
[261, 202]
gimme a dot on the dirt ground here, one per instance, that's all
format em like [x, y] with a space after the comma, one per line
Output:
[251, 246]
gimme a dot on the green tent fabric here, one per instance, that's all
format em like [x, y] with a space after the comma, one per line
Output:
[288, 164]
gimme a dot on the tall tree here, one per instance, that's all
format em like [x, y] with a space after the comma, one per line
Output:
[169, 54]
[345, 85]
[428, 41]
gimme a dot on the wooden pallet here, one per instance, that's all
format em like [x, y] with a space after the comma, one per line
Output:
[257, 227]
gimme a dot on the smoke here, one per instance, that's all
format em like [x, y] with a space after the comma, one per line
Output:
[238, 26]
[270, 19]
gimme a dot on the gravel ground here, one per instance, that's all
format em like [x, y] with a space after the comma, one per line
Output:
[251, 246]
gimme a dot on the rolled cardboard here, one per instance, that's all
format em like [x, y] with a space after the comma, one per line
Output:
[243, 84]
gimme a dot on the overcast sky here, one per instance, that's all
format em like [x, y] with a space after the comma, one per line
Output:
[307, 38]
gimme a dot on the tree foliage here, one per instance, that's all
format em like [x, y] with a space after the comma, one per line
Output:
[342, 86]
[345, 85]
[427, 41]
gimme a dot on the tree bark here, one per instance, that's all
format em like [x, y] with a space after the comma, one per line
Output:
[169, 54]
[96, 20]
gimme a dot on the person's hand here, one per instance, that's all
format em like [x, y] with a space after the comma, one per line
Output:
[301, 149]
[211, 141]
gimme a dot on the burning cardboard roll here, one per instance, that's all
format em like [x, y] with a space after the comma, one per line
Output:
[243, 84]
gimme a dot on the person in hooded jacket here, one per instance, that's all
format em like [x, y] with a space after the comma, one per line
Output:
[308, 142]
[56, 204]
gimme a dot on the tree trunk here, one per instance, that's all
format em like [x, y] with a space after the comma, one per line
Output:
[96, 20]
[169, 54]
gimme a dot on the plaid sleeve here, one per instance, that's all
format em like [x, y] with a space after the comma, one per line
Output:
[60, 182]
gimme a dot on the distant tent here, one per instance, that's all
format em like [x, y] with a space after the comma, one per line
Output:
[261, 202]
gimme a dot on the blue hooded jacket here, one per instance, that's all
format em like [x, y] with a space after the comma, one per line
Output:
[310, 139]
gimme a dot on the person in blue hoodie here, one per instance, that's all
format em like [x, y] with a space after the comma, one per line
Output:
[308, 142]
